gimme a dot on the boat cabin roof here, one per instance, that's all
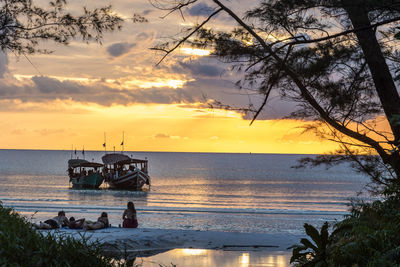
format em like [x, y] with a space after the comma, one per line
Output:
[118, 158]
[75, 163]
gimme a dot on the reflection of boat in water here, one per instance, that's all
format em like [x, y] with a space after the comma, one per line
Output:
[84, 174]
[123, 172]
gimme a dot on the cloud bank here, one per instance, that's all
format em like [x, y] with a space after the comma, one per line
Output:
[201, 9]
[119, 49]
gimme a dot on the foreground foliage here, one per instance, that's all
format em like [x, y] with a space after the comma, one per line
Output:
[20, 245]
[369, 236]
[311, 253]
[25, 24]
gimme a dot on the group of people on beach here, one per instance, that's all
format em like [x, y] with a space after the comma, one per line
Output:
[129, 218]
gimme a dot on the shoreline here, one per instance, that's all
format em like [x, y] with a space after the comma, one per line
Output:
[144, 242]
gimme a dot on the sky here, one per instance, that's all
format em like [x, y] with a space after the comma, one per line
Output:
[82, 93]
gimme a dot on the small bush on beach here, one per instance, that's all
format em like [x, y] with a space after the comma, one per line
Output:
[21, 245]
[369, 236]
[311, 253]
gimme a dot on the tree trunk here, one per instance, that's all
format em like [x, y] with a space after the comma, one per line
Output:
[384, 84]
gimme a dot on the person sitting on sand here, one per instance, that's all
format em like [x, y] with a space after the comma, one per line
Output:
[76, 224]
[102, 222]
[61, 219]
[129, 216]
[56, 222]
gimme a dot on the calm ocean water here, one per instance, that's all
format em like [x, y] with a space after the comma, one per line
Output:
[199, 191]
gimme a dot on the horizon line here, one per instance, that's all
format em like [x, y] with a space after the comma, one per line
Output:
[158, 151]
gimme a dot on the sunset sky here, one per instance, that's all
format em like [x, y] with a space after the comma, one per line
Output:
[79, 92]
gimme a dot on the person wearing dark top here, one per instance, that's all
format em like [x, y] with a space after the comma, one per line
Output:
[56, 222]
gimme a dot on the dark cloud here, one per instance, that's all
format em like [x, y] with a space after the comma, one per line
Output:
[215, 83]
[118, 49]
[48, 85]
[45, 88]
[201, 9]
[143, 36]
[275, 108]
[226, 92]
[198, 69]
[147, 11]
[203, 90]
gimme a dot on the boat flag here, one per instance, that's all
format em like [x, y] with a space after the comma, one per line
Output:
[122, 143]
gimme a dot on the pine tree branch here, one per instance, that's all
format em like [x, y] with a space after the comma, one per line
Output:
[304, 91]
[167, 52]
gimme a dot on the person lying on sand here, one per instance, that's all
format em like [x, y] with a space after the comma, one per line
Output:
[76, 224]
[129, 216]
[56, 222]
[102, 222]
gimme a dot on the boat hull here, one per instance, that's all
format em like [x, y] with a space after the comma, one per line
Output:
[131, 181]
[89, 181]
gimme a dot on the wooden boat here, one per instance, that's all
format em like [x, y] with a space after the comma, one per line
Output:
[84, 174]
[123, 172]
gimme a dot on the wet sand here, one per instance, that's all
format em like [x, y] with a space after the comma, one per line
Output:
[205, 248]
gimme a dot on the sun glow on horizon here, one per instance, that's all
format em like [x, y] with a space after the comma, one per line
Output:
[154, 128]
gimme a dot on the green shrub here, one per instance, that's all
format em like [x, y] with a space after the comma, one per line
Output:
[21, 245]
[369, 236]
[312, 253]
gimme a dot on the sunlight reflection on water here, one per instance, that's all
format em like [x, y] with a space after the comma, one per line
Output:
[220, 258]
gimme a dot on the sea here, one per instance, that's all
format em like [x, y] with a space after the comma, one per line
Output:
[256, 193]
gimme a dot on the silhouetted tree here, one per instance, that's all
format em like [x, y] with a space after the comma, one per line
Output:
[334, 58]
[23, 25]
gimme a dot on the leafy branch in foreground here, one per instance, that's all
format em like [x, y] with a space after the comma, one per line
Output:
[312, 253]
[23, 25]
